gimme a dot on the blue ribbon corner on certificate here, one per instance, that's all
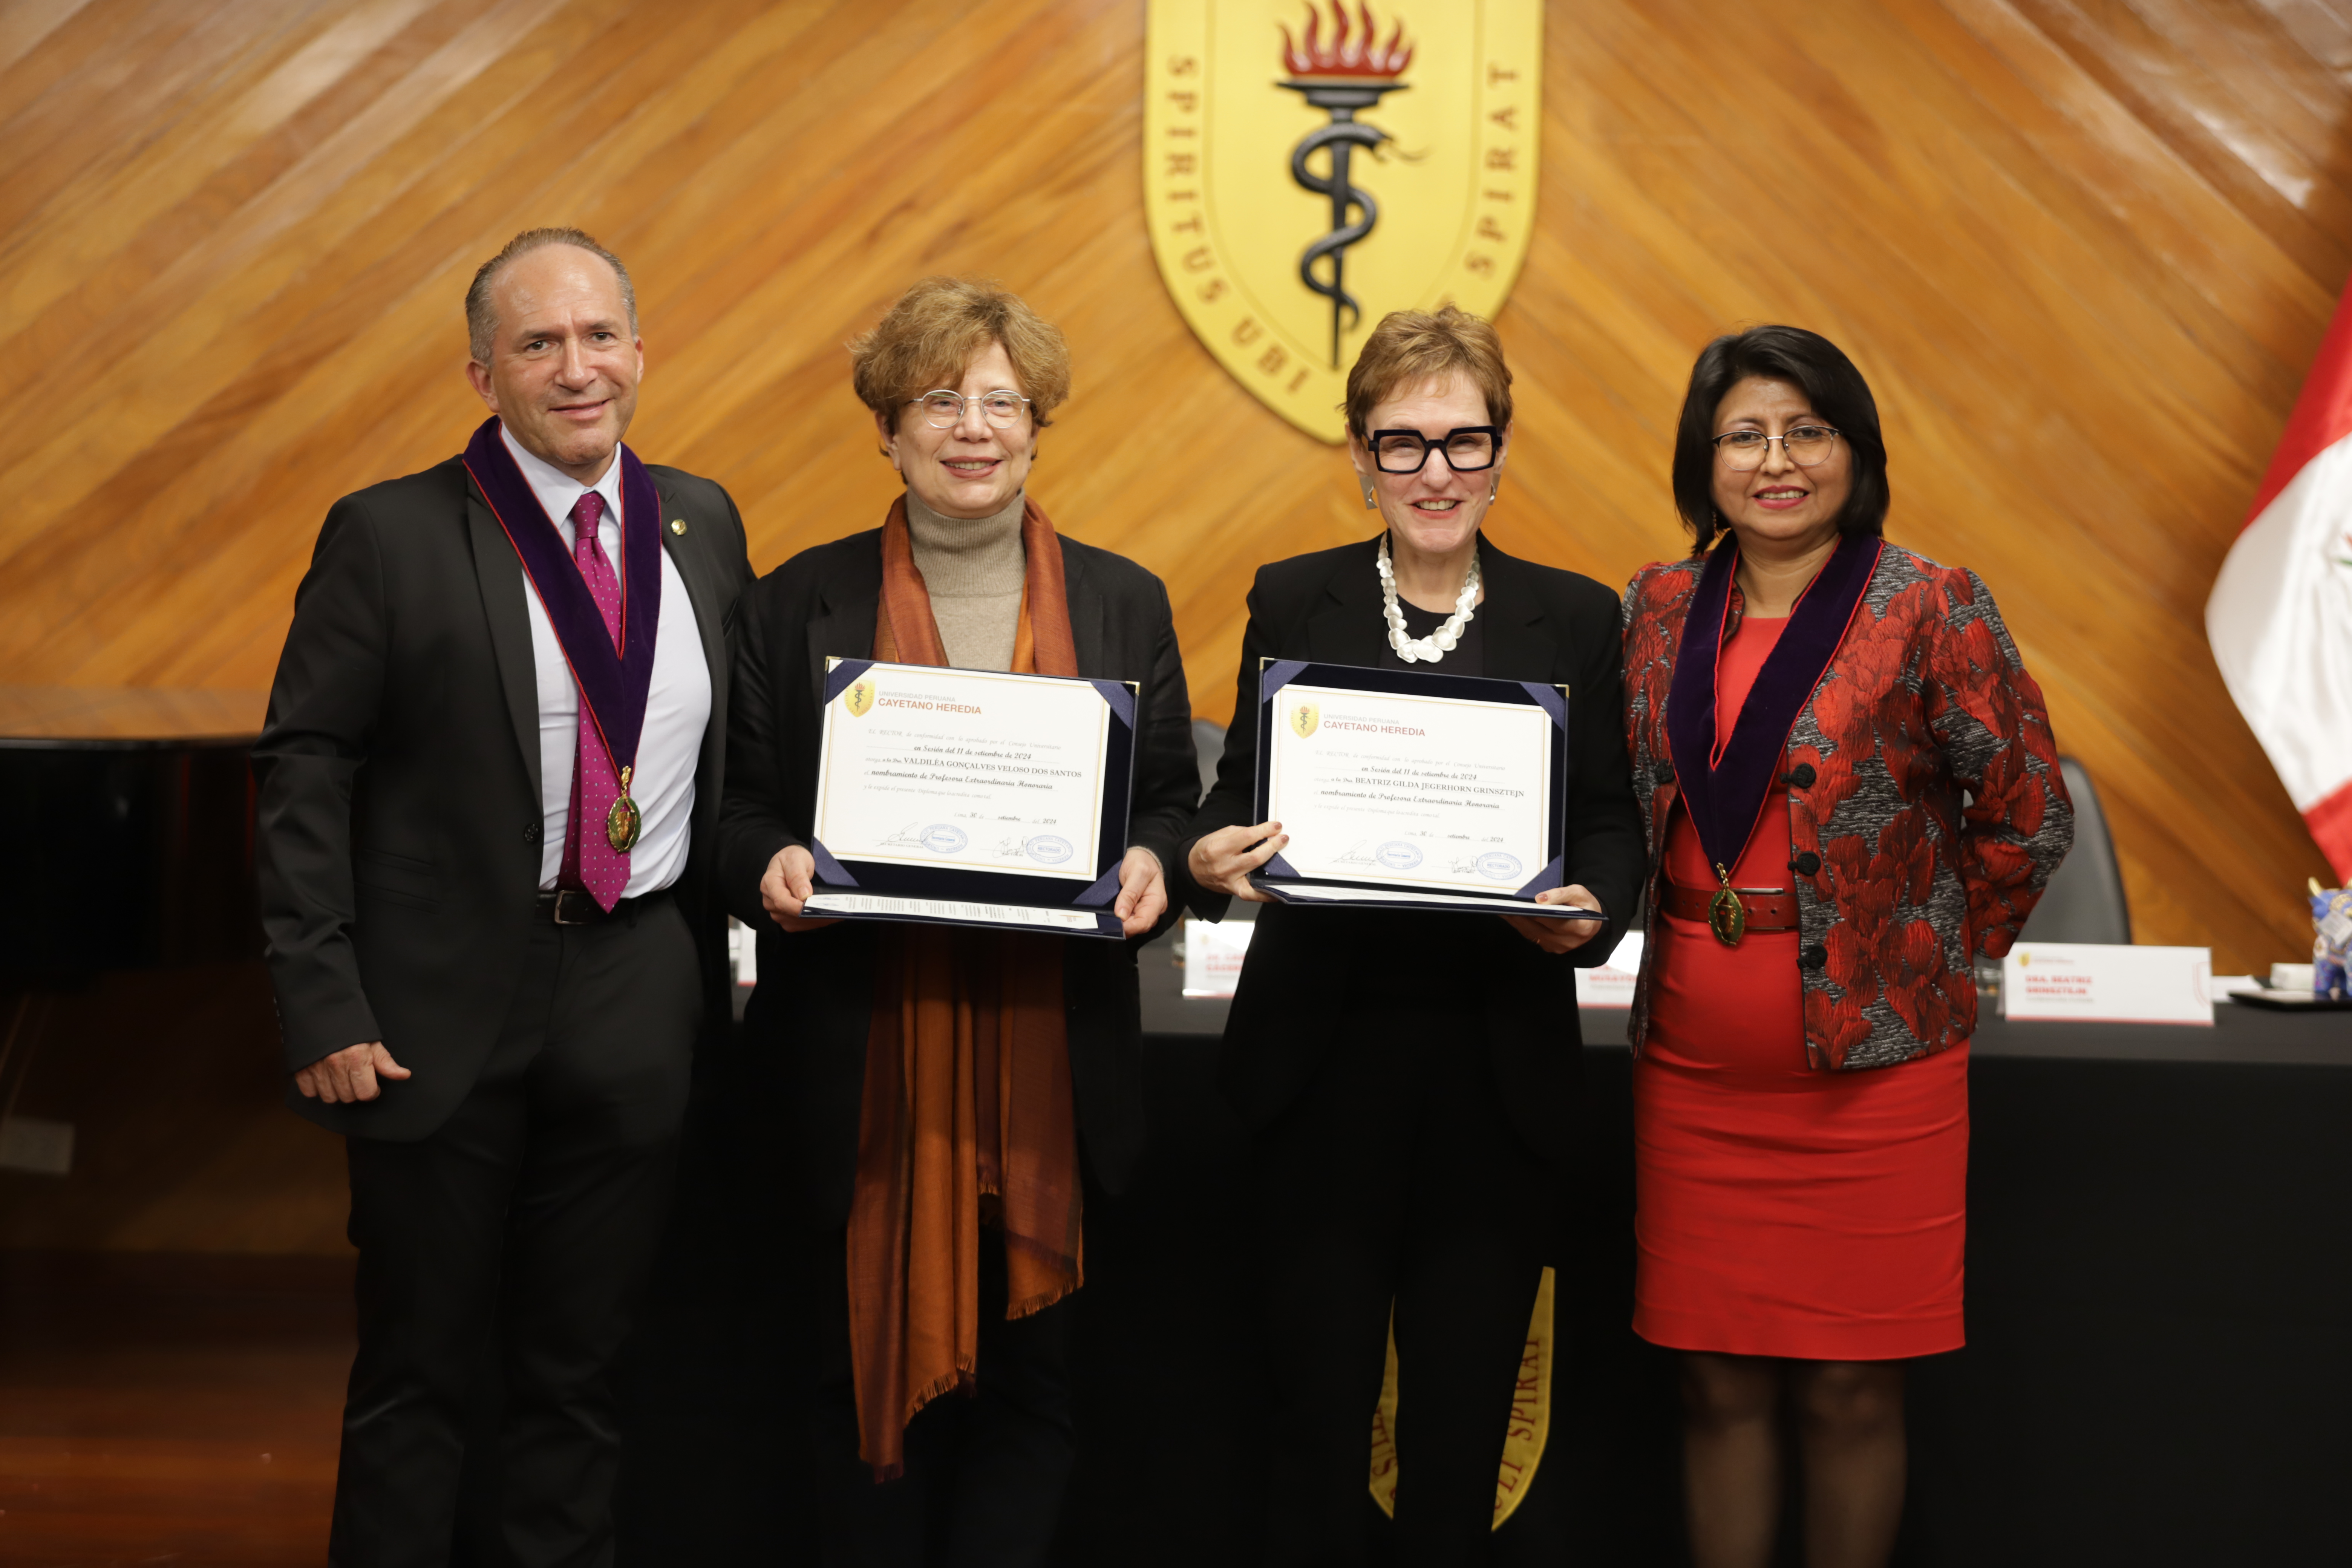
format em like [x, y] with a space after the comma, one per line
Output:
[1104, 888]
[829, 870]
[1549, 699]
[1121, 700]
[1546, 879]
[1277, 674]
[837, 678]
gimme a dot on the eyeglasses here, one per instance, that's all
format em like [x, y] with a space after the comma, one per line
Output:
[1468, 450]
[1807, 446]
[943, 408]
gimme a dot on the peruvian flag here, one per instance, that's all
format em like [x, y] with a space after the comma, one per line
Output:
[2280, 619]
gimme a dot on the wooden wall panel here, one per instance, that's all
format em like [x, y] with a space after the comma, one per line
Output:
[2084, 248]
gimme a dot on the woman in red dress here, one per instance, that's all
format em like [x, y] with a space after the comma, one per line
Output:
[1806, 705]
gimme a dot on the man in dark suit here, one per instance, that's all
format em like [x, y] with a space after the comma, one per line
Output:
[489, 784]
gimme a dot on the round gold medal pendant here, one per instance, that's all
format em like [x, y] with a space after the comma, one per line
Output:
[1726, 915]
[622, 823]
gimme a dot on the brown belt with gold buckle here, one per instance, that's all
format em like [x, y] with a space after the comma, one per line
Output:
[1767, 909]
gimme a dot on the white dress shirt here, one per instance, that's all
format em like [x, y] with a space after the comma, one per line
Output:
[678, 708]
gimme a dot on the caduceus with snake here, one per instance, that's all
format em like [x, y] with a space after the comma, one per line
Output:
[1348, 71]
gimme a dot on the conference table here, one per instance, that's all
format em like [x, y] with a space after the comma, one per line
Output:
[2159, 1298]
[2159, 1312]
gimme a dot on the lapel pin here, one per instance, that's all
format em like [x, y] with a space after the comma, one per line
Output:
[678, 526]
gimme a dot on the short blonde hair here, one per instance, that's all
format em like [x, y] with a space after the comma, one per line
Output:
[1412, 346]
[924, 341]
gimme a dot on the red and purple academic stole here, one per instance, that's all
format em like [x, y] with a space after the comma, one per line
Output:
[613, 682]
[1726, 788]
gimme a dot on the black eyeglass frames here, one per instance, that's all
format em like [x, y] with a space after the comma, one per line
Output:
[1467, 449]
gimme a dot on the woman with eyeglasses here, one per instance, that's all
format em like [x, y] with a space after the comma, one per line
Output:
[1807, 704]
[941, 1081]
[1407, 1081]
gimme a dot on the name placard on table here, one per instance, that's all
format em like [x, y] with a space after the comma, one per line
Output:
[1611, 984]
[2097, 982]
[1412, 790]
[1214, 954]
[972, 797]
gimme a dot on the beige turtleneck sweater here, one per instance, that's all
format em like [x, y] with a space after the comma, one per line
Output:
[974, 571]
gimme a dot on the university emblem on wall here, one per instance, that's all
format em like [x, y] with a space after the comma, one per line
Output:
[1524, 1438]
[1311, 165]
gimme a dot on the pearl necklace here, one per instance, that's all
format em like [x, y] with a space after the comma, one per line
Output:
[1439, 643]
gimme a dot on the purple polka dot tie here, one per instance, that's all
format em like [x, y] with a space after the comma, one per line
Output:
[590, 861]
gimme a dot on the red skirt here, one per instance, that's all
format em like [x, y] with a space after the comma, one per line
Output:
[1785, 1211]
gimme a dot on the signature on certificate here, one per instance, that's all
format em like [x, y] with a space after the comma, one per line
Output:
[907, 838]
[1361, 854]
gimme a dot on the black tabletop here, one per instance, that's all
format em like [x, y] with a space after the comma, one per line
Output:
[2240, 1033]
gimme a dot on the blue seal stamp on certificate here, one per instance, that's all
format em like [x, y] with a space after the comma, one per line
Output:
[1047, 849]
[943, 838]
[1397, 855]
[1497, 867]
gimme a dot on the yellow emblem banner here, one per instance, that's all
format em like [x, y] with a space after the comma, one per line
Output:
[1311, 165]
[1523, 1440]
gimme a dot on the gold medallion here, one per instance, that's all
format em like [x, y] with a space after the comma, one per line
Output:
[1726, 915]
[622, 823]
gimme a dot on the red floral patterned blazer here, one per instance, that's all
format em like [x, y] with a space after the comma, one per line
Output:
[1898, 886]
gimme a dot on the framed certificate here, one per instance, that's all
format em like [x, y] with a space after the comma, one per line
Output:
[1412, 790]
[972, 797]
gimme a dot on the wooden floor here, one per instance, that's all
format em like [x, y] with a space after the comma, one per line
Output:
[169, 1408]
[172, 1082]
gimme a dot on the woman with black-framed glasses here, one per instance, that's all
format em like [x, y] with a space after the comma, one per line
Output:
[1408, 1080]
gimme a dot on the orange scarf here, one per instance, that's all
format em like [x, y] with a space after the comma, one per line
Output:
[968, 1113]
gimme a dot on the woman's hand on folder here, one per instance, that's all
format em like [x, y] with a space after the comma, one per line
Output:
[1222, 861]
[1142, 892]
[1559, 935]
[789, 881]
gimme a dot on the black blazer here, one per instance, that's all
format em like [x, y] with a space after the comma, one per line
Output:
[400, 816]
[808, 1022]
[1539, 624]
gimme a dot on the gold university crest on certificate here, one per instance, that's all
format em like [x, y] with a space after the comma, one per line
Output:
[1311, 165]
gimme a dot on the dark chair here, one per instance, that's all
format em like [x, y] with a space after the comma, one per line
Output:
[2085, 901]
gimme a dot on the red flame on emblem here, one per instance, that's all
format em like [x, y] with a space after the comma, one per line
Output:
[1355, 49]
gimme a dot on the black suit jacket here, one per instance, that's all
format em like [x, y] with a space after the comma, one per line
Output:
[400, 815]
[1539, 624]
[805, 1029]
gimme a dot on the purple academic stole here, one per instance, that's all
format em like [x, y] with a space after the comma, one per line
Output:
[613, 683]
[1725, 793]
